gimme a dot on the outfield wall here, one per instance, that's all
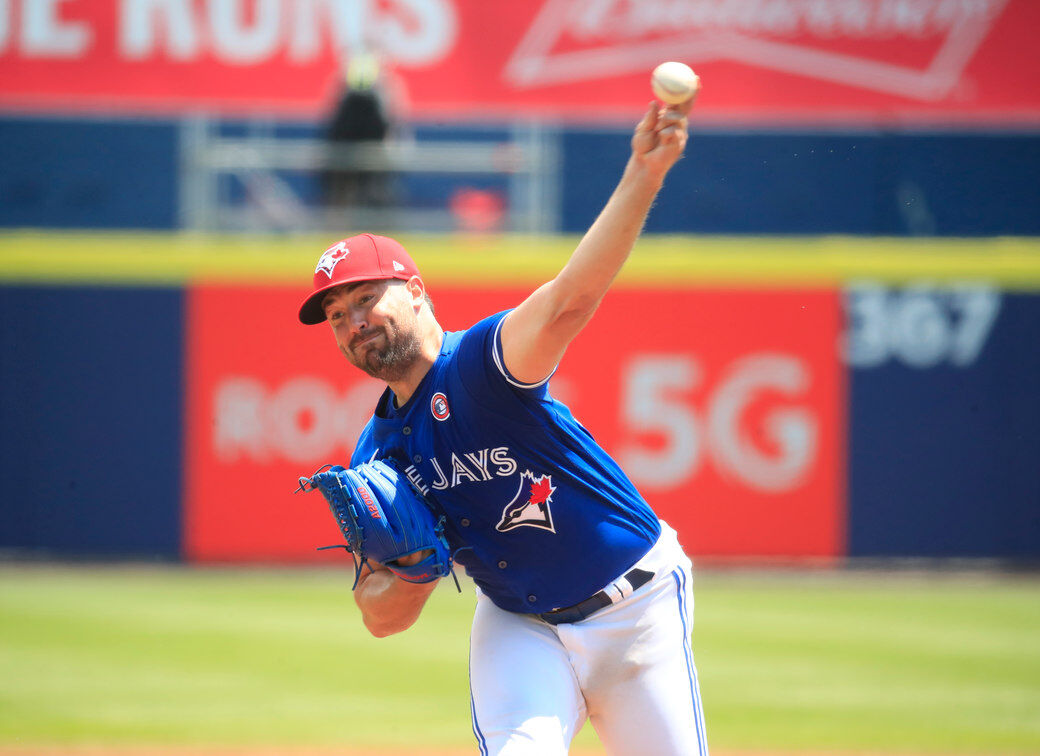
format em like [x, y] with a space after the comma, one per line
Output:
[64, 172]
[805, 398]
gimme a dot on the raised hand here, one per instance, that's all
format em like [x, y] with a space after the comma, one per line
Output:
[660, 137]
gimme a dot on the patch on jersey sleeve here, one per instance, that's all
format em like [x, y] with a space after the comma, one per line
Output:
[530, 506]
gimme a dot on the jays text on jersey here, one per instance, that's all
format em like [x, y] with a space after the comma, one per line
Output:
[537, 512]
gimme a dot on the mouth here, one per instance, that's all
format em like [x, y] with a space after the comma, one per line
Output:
[359, 343]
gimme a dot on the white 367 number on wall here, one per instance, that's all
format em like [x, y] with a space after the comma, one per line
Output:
[920, 326]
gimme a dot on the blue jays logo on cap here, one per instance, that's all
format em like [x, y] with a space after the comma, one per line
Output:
[331, 258]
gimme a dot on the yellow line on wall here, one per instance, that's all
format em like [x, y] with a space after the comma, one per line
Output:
[175, 258]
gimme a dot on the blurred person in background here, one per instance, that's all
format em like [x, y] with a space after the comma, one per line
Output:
[369, 110]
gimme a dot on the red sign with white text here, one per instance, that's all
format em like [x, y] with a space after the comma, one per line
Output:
[270, 400]
[726, 407]
[785, 59]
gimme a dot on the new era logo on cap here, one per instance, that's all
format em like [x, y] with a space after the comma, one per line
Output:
[360, 258]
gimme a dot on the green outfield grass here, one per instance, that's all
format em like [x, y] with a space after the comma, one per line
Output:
[789, 661]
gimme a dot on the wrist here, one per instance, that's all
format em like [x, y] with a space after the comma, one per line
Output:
[641, 178]
[641, 170]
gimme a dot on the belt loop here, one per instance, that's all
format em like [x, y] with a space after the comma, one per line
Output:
[616, 590]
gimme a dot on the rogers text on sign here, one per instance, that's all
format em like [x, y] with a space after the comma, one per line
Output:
[239, 32]
[303, 419]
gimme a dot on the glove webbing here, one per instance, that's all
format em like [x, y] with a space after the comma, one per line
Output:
[342, 509]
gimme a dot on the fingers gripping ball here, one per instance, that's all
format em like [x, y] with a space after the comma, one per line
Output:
[384, 518]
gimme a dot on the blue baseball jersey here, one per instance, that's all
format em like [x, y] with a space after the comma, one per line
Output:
[537, 512]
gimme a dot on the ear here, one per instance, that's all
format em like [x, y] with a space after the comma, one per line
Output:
[417, 291]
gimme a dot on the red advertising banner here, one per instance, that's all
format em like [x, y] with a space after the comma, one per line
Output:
[771, 60]
[269, 400]
[726, 407]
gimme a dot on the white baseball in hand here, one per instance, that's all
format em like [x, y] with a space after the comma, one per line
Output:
[674, 82]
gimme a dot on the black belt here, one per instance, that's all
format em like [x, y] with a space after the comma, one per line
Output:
[584, 609]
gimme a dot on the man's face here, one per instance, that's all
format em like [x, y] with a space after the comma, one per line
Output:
[376, 326]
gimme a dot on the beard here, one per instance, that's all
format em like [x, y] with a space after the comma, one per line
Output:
[391, 361]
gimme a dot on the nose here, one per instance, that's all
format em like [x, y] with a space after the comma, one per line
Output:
[358, 325]
[358, 321]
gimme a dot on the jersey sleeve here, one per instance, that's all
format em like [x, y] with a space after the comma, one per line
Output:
[482, 367]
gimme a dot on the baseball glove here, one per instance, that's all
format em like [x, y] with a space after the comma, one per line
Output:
[383, 518]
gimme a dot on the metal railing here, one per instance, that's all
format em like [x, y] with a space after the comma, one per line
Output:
[267, 199]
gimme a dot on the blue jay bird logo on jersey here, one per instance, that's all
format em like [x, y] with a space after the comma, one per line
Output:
[530, 506]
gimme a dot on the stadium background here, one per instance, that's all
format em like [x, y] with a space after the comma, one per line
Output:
[823, 352]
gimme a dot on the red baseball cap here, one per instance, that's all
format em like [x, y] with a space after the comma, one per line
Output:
[360, 258]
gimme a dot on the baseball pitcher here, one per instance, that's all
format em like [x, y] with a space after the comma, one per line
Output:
[585, 606]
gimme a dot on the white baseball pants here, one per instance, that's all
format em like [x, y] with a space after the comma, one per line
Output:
[628, 669]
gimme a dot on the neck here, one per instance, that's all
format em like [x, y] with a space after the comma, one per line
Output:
[433, 337]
